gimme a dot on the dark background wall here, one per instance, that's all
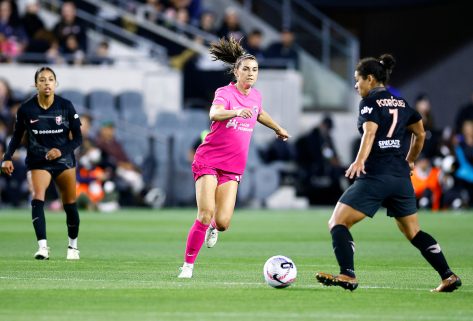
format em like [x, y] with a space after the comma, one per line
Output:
[418, 33]
[431, 40]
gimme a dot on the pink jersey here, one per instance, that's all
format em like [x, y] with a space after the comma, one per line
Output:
[226, 146]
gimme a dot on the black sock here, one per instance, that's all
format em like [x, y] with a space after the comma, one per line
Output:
[344, 249]
[72, 220]
[431, 251]
[39, 222]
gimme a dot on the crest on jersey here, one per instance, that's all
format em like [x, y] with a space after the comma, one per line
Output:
[232, 123]
[59, 120]
[255, 110]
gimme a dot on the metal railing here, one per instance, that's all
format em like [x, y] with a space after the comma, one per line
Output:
[104, 27]
[317, 34]
[183, 34]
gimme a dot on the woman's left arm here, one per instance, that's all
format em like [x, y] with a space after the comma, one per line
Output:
[265, 119]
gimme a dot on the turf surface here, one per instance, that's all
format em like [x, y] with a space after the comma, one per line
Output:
[130, 259]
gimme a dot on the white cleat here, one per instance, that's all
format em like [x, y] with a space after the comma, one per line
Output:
[72, 253]
[211, 237]
[186, 271]
[42, 254]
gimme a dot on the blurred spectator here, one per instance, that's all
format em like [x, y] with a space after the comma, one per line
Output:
[432, 134]
[90, 179]
[320, 172]
[426, 180]
[231, 25]
[6, 100]
[70, 26]
[151, 11]
[72, 52]
[278, 150]
[44, 49]
[464, 157]
[195, 10]
[207, 22]
[465, 113]
[102, 55]
[30, 20]
[95, 190]
[14, 188]
[192, 8]
[127, 178]
[182, 20]
[13, 39]
[252, 44]
[283, 53]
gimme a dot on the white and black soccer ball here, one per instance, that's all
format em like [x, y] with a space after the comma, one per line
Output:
[279, 271]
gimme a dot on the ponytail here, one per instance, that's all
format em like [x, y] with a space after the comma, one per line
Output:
[230, 52]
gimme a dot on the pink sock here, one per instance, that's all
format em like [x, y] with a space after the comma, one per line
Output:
[195, 239]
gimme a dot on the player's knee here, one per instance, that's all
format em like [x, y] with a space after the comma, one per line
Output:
[411, 233]
[333, 222]
[38, 195]
[205, 215]
[222, 225]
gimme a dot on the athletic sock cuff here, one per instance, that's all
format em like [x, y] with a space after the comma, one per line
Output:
[201, 226]
[341, 229]
[423, 240]
[36, 202]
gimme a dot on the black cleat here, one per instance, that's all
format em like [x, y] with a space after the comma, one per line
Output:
[345, 281]
[450, 284]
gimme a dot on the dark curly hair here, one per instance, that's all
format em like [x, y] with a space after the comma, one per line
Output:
[380, 68]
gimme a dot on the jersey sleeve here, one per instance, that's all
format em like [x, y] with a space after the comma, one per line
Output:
[260, 104]
[415, 117]
[17, 134]
[74, 127]
[221, 98]
[368, 111]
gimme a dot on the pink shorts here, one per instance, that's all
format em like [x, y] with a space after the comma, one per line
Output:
[222, 176]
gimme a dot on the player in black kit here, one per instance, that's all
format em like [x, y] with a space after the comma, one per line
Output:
[52, 129]
[382, 172]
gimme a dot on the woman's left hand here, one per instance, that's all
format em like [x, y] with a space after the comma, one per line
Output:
[282, 134]
[355, 170]
[53, 154]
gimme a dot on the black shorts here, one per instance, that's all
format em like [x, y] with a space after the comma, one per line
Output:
[54, 169]
[369, 193]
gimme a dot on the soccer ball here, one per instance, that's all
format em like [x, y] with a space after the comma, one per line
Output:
[279, 271]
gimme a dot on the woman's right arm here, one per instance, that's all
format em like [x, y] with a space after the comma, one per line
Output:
[358, 166]
[7, 165]
[219, 113]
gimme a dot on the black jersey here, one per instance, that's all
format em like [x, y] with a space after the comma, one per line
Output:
[46, 129]
[392, 115]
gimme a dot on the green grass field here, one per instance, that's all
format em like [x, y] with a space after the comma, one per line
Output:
[129, 262]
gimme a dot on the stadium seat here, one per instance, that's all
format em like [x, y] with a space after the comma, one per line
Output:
[266, 182]
[131, 107]
[102, 105]
[18, 94]
[167, 123]
[76, 97]
[195, 118]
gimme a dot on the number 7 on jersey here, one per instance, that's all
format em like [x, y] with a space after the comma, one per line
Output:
[394, 112]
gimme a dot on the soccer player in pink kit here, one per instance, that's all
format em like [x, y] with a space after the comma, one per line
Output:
[220, 160]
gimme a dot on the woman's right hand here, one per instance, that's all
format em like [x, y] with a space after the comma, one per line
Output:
[7, 167]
